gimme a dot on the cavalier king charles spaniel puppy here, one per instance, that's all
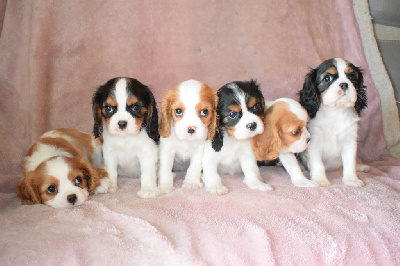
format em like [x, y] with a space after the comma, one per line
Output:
[188, 118]
[125, 114]
[239, 112]
[333, 95]
[285, 134]
[60, 170]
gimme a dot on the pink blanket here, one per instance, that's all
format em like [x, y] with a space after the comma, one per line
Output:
[53, 54]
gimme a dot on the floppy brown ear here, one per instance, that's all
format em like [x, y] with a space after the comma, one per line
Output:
[212, 127]
[93, 176]
[27, 191]
[267, 145]
[165, 124]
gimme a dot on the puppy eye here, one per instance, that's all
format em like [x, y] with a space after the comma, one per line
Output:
[352, 76]
[204, 112]
[178, 112]
[134, 107]
[297, 132]
[256, 107]
[78, 180]
[232, 115]
[109, 108]
[328, 78]
[51, 189]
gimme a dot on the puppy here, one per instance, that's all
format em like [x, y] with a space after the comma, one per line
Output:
[125, 114]
[240, 109]
[333, 95]
[60, 170]
[188, 118]
[285, 134]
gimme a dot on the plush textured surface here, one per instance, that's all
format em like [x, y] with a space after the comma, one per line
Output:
[54, 54]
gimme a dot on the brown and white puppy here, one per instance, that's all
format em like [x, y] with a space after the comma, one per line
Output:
[61, 169]
[125, 114]
[285, 133]
[188, 119]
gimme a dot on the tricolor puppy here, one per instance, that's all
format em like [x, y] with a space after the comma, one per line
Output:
[285, 134]
[333, 95]
[125, 114]
[188, 118]
[60, 170]
[240, 109]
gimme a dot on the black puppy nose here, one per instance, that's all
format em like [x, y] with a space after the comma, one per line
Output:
[344, 86]
[122, 124]
[191, 130]
[252, 126]
[71, 198]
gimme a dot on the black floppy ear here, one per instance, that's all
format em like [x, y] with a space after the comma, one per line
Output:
[218, 141]
[362, 101]
[152, 119]
[309, 97]
[96, 108]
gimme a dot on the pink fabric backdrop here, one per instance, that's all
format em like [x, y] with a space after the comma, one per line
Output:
[53, 54]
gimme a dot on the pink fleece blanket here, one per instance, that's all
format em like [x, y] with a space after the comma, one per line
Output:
[53, 54]
[337, 225]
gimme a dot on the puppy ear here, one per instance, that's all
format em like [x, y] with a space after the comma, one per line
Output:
[218, 140]
[27, 192]
[165, 123]
[152, 119]
[267, 145]
[309, 97]
[362, 101]
[212, 127]
[92, 175]
[96, 109]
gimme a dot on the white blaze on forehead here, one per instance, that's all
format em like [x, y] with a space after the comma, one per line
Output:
[240, 96]
[42, 153]
[341, 66]
[295, 107]
[121, 94]
[189, 93]
[59, 168]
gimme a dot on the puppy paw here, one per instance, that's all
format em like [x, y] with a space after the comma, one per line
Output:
[147, 193]
[166, 189]
[261, 186]
[305, 183]
[362, 168]
[323, 182]
[192, 185]
[104, 187]
[218, 191]
[353, 182]
[112, 189]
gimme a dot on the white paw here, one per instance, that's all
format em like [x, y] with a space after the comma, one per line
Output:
[166, 189]
[362, 168]
[192, 185]
[260, 186]
[112, 189]
[104, 187]
[218, 191]
[304, 183]
[146, 193]
[353, 182]
[323, 182]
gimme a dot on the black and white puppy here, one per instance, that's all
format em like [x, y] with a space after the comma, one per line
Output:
[125, 113]
[239, 111]
[333, 95]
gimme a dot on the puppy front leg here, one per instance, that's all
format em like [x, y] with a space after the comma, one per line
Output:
[111, 166]
[166, 177]
[316, 166]
[291, 165]
[251, 172]
[148, 179]
[193, 174]
[211, 178]
[349, 152]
